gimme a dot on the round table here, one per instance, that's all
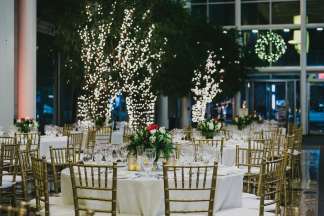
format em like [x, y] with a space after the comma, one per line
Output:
[55, 142]
[142, 195]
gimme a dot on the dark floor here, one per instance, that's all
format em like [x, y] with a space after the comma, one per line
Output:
[311, 197]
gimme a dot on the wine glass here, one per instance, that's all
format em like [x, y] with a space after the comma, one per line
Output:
[148, 160]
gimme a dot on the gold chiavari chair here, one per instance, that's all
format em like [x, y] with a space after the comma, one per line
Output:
[187, 133]
[250, 160]
[25, 172]
[91, 140]
[271, 182]
[269, 192]
[39, 170]
[90, 213]
[213, 143]
[75, 141]
[201, 181]
[28, 141]
[43, 204]
[60, 158]
[67, 128]
[90, 178]
[7, 141]
[8, 166]
[103, 135]
[226, 133]
[22, 210]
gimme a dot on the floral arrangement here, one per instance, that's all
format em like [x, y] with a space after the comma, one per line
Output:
[208, 128]
[153, 136]
[25, 125]
[242, 121]
[257, 118]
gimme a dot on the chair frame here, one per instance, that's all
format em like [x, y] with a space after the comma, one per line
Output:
[89, 171]
[39, 169]
[193, 186]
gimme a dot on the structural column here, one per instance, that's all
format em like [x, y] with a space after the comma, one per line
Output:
[164, 111]
[7, 62]
[185, 112]
[26, 74]
[303, 64]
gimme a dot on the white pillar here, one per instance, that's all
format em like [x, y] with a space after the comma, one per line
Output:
[7, 63]
[185, 112]
[164, 111]
[27, 33]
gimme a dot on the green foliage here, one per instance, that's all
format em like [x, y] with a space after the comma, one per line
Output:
[152, 138]
[188, 39]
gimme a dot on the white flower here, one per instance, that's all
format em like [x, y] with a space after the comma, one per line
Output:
[210, 125]
[162, 130]
[153, 131]
[18, 121]
[152, 139]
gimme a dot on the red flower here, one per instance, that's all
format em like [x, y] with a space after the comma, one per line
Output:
[151, 127]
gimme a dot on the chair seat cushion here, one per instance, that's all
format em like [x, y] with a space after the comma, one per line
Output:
[7, 184]
[241, 212]
[9, 178]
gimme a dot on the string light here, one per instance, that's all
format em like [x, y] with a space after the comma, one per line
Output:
[138, 60]
[98, 85]
[206, 87]
[270, 47]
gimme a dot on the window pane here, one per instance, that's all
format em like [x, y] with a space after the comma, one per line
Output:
[222, 14]
[255, 13]
[291, 57]
[284, 12]
[316, 47]
[199, 11]
[315, 11]
[249, 39]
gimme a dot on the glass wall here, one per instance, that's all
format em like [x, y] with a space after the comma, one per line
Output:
[256, 17]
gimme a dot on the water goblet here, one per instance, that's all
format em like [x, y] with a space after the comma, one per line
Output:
[148, 160]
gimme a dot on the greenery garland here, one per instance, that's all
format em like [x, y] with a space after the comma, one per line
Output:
[270, 47]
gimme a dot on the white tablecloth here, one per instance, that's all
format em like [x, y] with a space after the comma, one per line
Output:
[55, 142]
[145, 196]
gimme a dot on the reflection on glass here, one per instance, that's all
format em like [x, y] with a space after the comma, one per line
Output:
[284, 12]
[315, 54]
[315, 11]
[255, 13]
[222, 14]
[199, 11]
[316, 108]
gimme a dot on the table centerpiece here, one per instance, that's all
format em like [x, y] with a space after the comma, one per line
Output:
[152, 137]
[25, 125]
[208, 128]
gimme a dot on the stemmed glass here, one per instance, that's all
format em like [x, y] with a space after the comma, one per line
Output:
[148, 160]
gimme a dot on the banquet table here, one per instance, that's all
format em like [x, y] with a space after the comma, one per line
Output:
[55, 142]
[138, 194]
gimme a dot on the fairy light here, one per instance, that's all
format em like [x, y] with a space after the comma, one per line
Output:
[138, 61]
[270, 47]
[98, 85]
[206, 87]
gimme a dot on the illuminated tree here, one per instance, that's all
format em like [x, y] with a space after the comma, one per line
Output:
[206, 82]
[98, 87]
[138, 59]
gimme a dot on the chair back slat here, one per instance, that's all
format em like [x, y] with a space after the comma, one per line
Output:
[39, 169]
[88, 178]
[198, 185]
